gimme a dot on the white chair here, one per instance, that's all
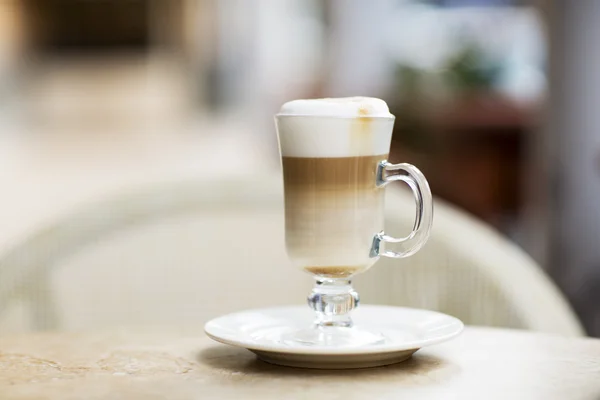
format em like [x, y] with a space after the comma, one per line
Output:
[184, 252]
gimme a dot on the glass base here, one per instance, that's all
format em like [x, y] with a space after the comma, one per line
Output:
[332, 300]
[333, 337]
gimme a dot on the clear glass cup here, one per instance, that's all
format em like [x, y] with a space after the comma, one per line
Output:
[335, 170]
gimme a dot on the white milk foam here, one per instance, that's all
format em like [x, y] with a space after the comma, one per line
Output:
[357, 126]
[340, 107]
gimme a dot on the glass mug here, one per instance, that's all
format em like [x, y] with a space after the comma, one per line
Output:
[334, 172]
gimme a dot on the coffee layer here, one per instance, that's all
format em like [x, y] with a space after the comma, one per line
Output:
[304, 175]
[333, 209]
[335, 272]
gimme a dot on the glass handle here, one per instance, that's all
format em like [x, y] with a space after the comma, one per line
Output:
[414, 178]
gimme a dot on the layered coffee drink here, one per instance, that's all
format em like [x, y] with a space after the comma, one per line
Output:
[334, 155]
[330, 151]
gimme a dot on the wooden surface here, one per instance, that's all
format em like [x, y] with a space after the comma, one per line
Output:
[184, 364]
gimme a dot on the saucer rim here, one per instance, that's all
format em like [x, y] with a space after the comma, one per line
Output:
[458, 325]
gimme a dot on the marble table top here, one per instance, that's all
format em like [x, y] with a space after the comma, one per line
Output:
[171, 363]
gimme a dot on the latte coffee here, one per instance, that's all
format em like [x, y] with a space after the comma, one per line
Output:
[333, 207]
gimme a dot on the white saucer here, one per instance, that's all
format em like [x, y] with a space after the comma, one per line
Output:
[406, 330]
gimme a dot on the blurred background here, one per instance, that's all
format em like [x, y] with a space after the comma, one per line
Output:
[495, 100]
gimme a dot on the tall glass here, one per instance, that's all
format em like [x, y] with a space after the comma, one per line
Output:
[334, 171]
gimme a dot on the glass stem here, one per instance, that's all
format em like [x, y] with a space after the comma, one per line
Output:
[333, 299]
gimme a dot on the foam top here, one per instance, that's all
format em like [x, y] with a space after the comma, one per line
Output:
[340, 107]
[305, 136]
